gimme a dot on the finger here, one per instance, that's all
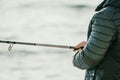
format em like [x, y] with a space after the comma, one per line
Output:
[80, 48]
[75, 49]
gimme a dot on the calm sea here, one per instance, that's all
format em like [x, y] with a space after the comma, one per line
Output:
[62, 22]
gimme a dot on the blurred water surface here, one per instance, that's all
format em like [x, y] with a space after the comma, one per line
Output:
[61, 22]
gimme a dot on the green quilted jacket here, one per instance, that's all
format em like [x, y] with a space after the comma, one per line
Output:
[101, 56]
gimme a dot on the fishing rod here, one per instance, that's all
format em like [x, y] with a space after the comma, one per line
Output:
[34, 44]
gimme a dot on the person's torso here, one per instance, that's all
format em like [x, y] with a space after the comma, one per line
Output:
[109, 68]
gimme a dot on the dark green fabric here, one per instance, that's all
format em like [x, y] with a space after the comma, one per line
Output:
[101, 56]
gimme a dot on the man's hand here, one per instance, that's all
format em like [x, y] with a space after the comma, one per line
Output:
[80, 46]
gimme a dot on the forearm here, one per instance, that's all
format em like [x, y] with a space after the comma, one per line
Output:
[79, 61]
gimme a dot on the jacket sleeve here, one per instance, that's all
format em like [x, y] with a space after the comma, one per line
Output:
[99, 41]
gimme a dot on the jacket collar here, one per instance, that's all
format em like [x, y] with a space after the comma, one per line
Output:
[107, 3]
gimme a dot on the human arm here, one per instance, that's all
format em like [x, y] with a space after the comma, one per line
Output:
[100, 39]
